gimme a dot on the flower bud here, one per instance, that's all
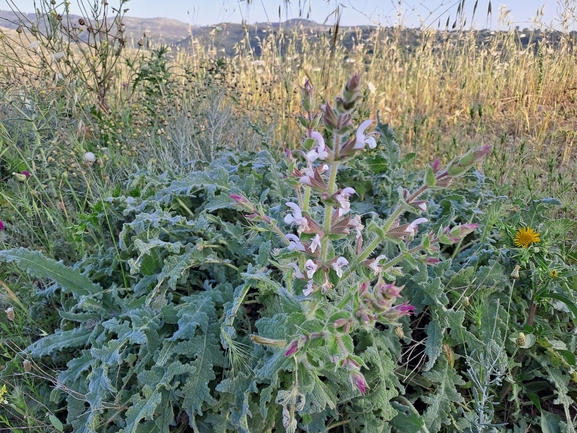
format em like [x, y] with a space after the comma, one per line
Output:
[358, 381]
[20, 177]
[430, 178]
[307, 95]
[352, 89]
[267, 341]
[329, 116]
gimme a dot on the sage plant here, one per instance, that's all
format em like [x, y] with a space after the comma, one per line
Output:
[333, 259]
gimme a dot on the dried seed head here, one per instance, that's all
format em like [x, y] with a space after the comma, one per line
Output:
[10, 313]
[27, 366]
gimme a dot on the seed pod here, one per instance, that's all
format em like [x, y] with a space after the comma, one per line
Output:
[81, 21]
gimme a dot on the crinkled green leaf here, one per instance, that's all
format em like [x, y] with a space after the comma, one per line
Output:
[35, 263]
[60, 340]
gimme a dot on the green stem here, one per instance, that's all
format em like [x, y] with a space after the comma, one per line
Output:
[307, 199]
[332, 187]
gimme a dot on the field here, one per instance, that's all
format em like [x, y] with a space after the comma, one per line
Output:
[311, 229]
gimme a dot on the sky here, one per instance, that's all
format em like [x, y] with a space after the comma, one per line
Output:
[411, 13]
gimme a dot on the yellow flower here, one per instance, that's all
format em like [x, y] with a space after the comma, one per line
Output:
[525, 237]
[3, 391]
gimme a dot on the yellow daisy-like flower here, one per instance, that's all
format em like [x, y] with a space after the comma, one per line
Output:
[525, 237]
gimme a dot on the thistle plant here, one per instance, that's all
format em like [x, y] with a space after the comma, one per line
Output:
[84, 53]
[342, 264]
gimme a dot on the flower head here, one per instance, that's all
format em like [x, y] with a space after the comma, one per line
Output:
[412, 227]
[296, 217]
[315, 243]
[320, 150]
[310, 267]
[525, 237]
[89, 158]
[337, 266]
[362, 139]
[294, 243]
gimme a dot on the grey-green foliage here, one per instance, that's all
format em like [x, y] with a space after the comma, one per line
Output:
[154, 330]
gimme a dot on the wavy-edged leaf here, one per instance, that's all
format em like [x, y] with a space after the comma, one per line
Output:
[59, 340]
[142, 408]
[35, 263]
[434, 344]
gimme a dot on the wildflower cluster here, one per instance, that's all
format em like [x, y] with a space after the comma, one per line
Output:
[329, 248]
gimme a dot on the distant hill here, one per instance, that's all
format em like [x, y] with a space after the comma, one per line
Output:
[225, 37]
[161, 30]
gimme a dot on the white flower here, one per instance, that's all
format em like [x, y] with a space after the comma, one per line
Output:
[356, 223]
[412, 228]
[343, 199]
[310, 288]
[295, 243]
[320, 150]
[337, 266]
[311, 267]
[89, 158]
[362, 139]
[298, 272]
[315, 243]
[296, 217]
[375, 264]
[56, 56]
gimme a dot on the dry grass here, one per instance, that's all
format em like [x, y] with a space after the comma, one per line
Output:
[442, 97]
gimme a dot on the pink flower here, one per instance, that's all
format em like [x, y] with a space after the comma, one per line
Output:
[398, 311]
[362, 139]
[292, 348]
[358, 380]
[2, 226]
